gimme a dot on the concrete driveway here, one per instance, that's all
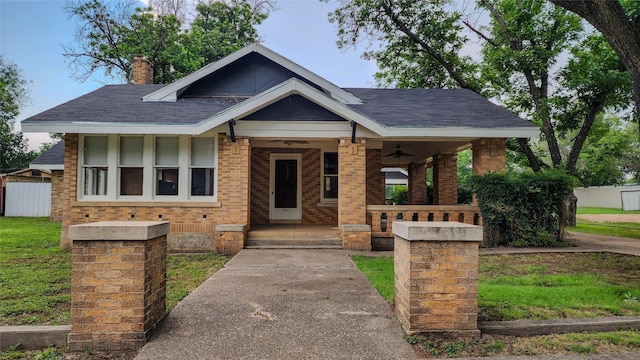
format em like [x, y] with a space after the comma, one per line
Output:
[278, 304]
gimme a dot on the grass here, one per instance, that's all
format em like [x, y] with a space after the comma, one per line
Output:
[35, 275]
[379, 272]
[599, 210]
[626, 230]
[540, 286]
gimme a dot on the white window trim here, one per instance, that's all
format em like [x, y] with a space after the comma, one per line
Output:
[148, 190]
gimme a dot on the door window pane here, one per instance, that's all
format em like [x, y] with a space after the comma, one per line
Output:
[286, 184]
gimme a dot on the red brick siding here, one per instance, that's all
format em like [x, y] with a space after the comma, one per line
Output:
[375, 177]
[445, 179]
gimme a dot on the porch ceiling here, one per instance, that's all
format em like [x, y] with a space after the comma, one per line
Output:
[419, 150]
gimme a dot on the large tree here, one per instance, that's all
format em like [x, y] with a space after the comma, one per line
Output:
[13, 94]
[110, 35]
[421, 46]
[619, 23]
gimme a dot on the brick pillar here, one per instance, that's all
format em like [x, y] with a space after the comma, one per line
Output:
[69, 181]
[375, 177]
[436, 277]
[142, 70]
[57, 195]
[489, 155]
[417, 184]
[352, 194]
[445, 179]
[118, 284]
[234, 184]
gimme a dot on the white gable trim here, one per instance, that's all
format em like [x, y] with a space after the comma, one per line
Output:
[170, 92]
[279, 92]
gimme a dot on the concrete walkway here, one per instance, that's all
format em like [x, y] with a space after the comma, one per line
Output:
[279, 304]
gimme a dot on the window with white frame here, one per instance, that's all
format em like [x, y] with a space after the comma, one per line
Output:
[330, 176]
[131, 165]
[147, 167]
[167, 165]
[95, 165]
[202, 166]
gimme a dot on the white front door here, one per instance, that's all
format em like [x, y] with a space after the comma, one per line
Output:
[285, 201]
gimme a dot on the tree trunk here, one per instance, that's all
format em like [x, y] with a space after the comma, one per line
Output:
[620, 31]
[570, 207]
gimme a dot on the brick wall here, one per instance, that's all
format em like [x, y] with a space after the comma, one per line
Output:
[192, 223]
[445, 179]
[489, 156]
[352, 178]
[417, 184]
[118, 293]
[375, 177]
[57, 194]
[312, 213]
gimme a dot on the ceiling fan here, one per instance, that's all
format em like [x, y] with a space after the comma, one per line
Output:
[290, 142]
[398, 153]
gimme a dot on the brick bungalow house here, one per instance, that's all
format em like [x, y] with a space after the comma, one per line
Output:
[255, 140]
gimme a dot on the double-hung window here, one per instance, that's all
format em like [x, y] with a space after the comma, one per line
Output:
[95, 165]
[167, 166]
[131, 165]
[202, 166]
[330, 176]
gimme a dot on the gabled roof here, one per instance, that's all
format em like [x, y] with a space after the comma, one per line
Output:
[172, 91]
[52, 159]
[388, 113]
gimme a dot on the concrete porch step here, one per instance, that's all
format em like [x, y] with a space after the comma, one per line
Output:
[282, 243]
[317, 247]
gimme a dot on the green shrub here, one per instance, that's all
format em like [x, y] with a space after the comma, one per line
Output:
[523, 210]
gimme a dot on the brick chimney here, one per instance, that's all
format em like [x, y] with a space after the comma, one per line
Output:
[142, 70]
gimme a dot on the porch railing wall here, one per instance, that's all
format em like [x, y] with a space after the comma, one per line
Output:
[381, 217]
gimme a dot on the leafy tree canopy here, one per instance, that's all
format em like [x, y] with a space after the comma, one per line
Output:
[109, 35]
[13, 94]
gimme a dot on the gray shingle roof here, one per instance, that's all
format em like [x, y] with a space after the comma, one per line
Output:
[53, 156]
[389, 107]
[434, 108]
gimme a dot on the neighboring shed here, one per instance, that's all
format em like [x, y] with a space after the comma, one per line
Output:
[36, 175]
[53, 160]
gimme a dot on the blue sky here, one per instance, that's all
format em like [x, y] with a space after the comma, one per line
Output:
[32, 33]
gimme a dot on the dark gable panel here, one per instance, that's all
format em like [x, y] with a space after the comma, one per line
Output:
[294, 108]
[247, 76]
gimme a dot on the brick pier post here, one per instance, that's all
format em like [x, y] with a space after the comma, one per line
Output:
[118, 283]
[436, 277]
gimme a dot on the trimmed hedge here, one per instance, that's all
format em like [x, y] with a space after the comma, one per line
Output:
[523, 210]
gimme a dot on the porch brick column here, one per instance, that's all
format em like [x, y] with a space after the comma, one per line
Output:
[436, 277]
[118, 284]
[417, 184]
[489, 155]
[234, 187]
[445, 179]
[352, 194]
[375, 178]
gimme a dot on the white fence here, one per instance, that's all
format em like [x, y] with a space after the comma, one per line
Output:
[28, 199]
[607, 196]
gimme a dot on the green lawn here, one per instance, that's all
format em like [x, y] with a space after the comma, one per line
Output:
[540, 286]
[35, 275]
[598, 210]
[627, 230]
